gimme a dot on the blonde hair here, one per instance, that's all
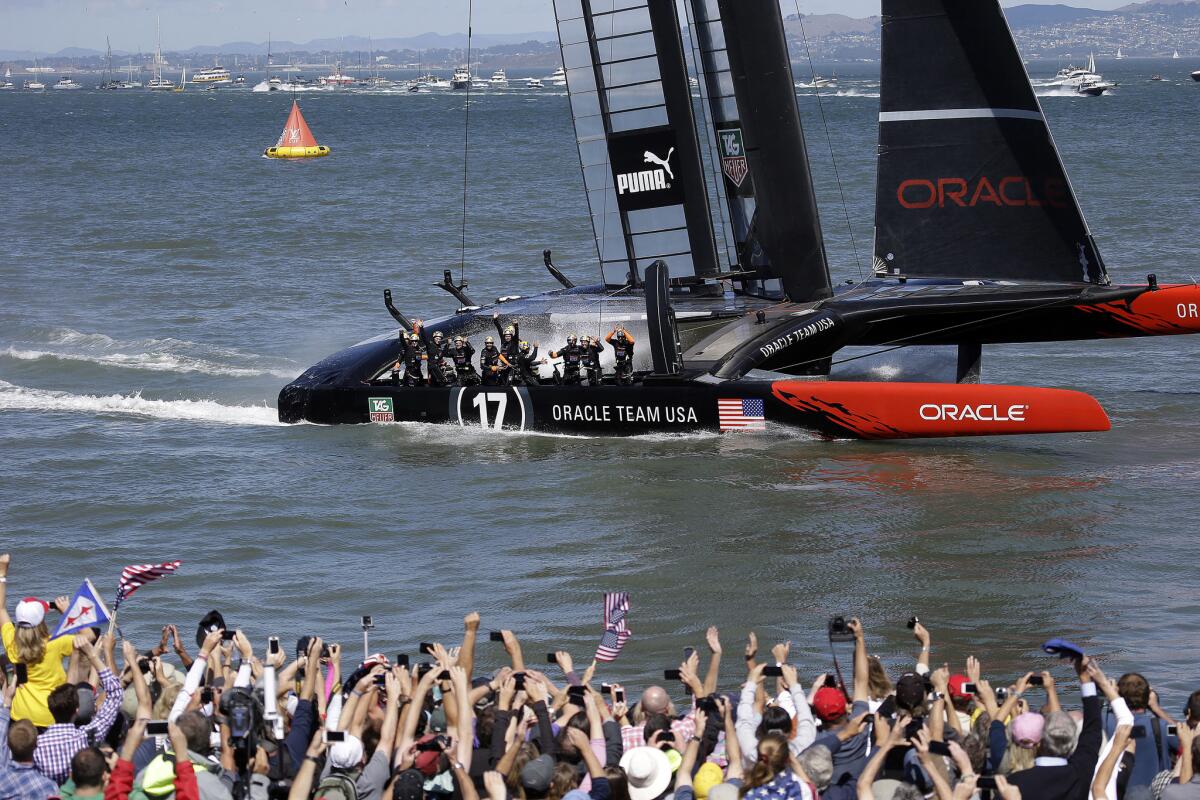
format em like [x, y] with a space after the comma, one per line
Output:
[878, 683]
[162, 706]
[1016, 758]
[31, 643]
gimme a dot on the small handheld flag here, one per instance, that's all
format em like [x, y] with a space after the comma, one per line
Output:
[136, 576]
[87, 610]
[616, 628]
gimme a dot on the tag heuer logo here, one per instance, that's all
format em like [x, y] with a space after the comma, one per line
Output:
[381, 409]
[733, 156]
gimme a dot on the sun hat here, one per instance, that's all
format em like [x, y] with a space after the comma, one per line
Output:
[829, 703]
[648, 772]
[31, 612]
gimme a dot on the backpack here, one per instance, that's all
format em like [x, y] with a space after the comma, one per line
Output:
[337, 786]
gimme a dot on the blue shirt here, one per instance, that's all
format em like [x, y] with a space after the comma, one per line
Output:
[20, 781]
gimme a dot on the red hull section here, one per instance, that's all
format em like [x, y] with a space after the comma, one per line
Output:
[910, 410]
[1170, 310]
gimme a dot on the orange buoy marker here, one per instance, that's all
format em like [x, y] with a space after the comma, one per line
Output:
[297, 140]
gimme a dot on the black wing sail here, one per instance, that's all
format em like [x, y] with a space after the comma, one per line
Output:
[970, 183]
[634, 123]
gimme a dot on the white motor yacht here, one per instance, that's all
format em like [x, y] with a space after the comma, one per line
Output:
[66, 83]
[557, 78]
[499, 79]
[461, 79]
[534, 83]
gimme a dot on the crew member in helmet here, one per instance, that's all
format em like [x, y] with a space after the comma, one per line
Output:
[592, 349]
[510, 340]
[438, 350]
[414, 356]
[489, 363]
[462, 354]
[572, 356]
[526, 373]
[622, 345]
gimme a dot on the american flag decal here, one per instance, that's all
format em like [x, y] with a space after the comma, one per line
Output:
[138, 575]
[742, 414]
[616, 631]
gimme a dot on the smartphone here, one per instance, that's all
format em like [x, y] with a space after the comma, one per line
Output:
[22, 672]
[1037, 680]
[519, 680]
[773, 672]
[831, 682]
[913, 622]
[1172, 730]
[273, 644]
[970, 688]
[496, 636]
[426, 648]
[687, 652]
[381, 680]
[157, 727]
[606, 688]
[444, 675]
[332, 737]
[228, 635]
[708, 705]
[575, 695]
[1138, 732]
[671, 675]
[551, 659]
[367, 622]
[939, 748]
[401, 659]
[422, 668]
[206, 696]
[986, 782]
[619, 696]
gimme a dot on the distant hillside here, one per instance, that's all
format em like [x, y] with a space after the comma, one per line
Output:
[1030, 16]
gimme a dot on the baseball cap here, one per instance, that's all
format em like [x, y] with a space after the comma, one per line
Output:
[705, 779]
[31, 612]
[956, 687]
[910, 691]
[346, 754]
[1062, 648]
[537, 774]
[1027, 730]
[829, 703]
[410, 785]
[437, 720]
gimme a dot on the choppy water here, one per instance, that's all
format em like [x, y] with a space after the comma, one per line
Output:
[161, 281]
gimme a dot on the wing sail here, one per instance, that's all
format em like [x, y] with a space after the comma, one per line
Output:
[970, 182]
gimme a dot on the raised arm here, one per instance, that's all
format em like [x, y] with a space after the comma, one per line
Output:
[871, 771]
[512, 646]
[5, 559]
[466, 653]
[302, 784]
[1104, 772]
[714, 662]
[922, 637]
[862, 667]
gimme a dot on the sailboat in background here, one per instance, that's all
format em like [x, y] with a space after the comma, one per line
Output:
[1175, 55]
[1120, 55]
[182, 81]
[267, 84]
[296, 141]
[158, 82]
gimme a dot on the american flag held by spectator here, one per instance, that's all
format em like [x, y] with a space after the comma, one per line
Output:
[138, 575]
[616, 629]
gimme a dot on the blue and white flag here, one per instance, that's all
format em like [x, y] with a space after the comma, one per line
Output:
[87, 610]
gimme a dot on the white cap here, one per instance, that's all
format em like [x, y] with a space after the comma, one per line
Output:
[31, 612]
[347, 754]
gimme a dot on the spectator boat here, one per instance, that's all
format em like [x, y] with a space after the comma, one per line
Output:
[738, 325]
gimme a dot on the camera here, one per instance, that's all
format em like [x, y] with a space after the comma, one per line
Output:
[157, 728]
[1037, 680]
[913, 622]
[772, 672]
[333, 737]
[708, 705]
[839, 631]
[496, 636]
[273, 644]
[367, 622]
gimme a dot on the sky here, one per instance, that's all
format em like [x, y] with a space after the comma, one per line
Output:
[51, 25]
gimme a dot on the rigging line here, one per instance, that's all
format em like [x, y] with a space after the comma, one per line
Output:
[829, 140]
[907, 341]
[462, 263]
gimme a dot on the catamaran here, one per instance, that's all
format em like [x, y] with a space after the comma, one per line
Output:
[717, 266]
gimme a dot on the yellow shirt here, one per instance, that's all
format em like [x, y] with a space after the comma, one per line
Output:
[44, 677]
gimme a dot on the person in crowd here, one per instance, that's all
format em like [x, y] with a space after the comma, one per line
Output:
[27, 641]
[622, 342]
[19, 778]
[62, 740]
[572, 356]
[593, 348]
[1152, 745]
[463, 355]
[490, 363]
[510, 338]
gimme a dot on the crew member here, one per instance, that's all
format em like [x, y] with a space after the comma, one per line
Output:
[592, 349]
[572, 356]
[622, 344]
[438, 350]
[414, 355]
[462, 354]
[527, 361]
[489, 363]
[509, 340]
[396, 369]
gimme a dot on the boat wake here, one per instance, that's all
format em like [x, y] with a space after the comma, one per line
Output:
[153, 355]
[20, 398]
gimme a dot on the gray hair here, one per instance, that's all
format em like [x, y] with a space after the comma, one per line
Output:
[1060, 735]
[906, 791]
[817, 763]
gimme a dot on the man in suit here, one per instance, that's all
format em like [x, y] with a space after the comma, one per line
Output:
[1064, 767]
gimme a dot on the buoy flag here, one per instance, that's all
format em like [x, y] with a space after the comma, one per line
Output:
[87, 610]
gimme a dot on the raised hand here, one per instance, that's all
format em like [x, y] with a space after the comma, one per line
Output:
[471, 621]
[62, 603]
[243, 645]
[780, 652]
[713, 637]
[921, 634]
[789, 675]
[175, 641]
[563, 659]
[974, 670]
[756, 674]
[940, 678]
[493, 783]
[5, 560]
[129, 653]
[855, 627]
[162, 644]
[751, 646]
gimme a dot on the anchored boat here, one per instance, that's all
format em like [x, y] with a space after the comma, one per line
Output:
[711, 251]
[296, 141]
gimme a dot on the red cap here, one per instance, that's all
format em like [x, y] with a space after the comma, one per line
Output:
[956, 687]
[829, 703]
[427, 760]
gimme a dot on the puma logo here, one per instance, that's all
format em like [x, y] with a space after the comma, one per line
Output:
[665, 163]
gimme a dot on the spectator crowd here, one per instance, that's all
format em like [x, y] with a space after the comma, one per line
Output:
[86, 716]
